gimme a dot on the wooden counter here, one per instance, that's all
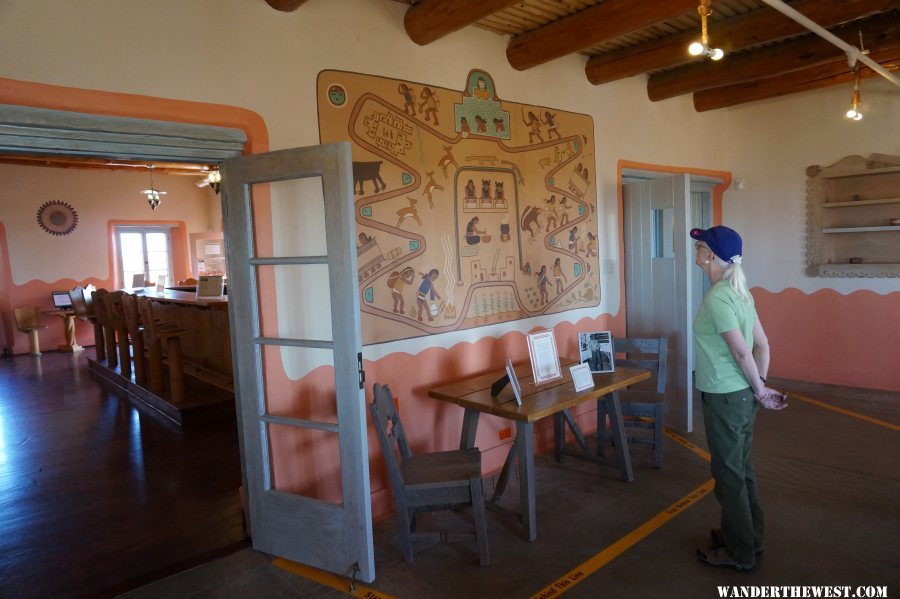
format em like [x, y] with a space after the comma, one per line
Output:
[206, 352]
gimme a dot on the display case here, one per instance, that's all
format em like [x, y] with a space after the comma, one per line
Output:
[853, 218]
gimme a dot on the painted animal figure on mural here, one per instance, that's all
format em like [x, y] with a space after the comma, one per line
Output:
[396, 281]
[447, 159]
[430, 186]
[409, 102]
[530, 220]
[409, 212]
[367, 171]
[485, 189]
[429, 104]
[480, 124]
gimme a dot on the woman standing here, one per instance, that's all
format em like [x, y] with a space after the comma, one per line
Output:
[732, 361]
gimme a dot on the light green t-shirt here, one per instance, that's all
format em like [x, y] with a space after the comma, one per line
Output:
[722, 310]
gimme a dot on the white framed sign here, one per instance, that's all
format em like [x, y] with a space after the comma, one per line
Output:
[210, 286]
[582, 376]
[544, 357]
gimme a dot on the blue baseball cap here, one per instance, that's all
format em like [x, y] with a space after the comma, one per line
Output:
[724, 242]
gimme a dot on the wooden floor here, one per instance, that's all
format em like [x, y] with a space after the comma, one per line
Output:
[97, 497]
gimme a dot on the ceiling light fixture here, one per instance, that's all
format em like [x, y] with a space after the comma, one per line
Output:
[214, 178]
[854, 112]
[702, 48]
[153, 194]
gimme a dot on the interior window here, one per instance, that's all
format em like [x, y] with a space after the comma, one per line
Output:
[143, 251]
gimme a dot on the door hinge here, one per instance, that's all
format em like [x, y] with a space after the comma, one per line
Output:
[362, 373]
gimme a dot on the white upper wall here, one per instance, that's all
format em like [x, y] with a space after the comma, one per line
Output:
[244, 53]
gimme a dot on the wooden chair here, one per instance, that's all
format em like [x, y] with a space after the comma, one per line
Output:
[28, 320]
[83, 306]
[644, 400]
[154, 335]
[115, 313]
[109, 333]
[136, 332]
[427, 482]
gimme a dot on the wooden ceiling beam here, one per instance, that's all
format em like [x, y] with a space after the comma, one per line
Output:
[589, 27]
[430, 20]
[743, 31]
[285, 5]
[879, 33]
[827, 75]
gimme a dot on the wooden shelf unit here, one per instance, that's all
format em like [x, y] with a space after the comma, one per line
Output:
[849, 208]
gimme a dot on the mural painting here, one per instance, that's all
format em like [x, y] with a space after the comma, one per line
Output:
[470, 210]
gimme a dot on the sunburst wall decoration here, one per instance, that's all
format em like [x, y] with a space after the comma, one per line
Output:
[57, 218]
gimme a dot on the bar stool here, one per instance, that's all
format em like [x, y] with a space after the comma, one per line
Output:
[83, 306]
[136, 332]
[116, 315]
[28, 320]
[109, 333]
[154, 334]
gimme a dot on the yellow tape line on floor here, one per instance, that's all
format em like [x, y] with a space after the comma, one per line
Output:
[619, 547]
[330, 580]
[893, 427]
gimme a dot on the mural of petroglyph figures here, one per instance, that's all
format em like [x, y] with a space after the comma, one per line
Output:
[408, 212]
[534, 126]
[427, 293]
[447, 159]
[559, 276]
[367, 171]
[429, 105]
[472, 210]
[480, 109]
[430, 187]
[550, 121]
[396, 281]
[409, 102]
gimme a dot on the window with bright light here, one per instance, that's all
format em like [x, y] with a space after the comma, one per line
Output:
[144, 251]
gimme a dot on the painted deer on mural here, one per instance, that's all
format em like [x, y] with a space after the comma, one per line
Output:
[410, 212]
[447, 159]
[430, 186]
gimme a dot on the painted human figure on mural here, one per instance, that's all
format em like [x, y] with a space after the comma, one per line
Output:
[429, 104]
[542, 283]
[396, 282]
[481, 91]
[499, 125]
[591, 245]
[535, 124]
[409, 102]
[464, 126]
[427, 291]
[573, 240]
[473, 233]
[550, 120]
[480, 124]
[552, 214]
[563, 211]
[470, 190]
[559, 275]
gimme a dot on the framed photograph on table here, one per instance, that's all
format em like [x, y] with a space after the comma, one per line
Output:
[596, 350]
[544, 357]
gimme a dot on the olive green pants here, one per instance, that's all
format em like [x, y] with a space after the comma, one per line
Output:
[729, 419]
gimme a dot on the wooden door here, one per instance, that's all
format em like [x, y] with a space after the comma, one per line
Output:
[294, 312]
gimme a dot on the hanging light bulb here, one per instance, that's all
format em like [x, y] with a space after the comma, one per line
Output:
[153, 194]
[854, 112]
[701, 48]
[215, 180]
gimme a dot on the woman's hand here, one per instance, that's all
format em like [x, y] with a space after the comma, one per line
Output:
[772, 399]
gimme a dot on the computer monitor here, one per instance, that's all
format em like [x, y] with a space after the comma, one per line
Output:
[61, 300]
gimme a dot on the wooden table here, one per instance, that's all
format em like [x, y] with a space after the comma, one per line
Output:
[68, 317]
[552, 398]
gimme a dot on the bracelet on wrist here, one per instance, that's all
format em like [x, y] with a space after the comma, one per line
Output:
[763, 380]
